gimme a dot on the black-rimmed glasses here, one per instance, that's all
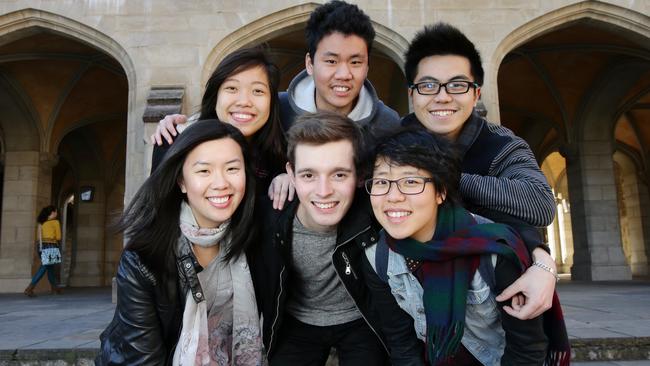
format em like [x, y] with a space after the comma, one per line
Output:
[452, 87]
[406, 185]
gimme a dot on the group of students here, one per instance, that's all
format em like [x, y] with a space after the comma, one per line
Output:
[408, 242]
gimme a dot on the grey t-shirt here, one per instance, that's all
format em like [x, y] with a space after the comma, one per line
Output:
[317, 295]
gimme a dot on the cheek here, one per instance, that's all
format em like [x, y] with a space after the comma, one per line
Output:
[222, 107]
[264, 108]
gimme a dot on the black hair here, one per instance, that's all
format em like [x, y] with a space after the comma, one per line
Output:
[151, 221]
[269, 140]
[45, 213]
[438, 40]
[337, 16]
[419, 148]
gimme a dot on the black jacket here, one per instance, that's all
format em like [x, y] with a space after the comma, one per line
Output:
[149, 312]
[270, 268]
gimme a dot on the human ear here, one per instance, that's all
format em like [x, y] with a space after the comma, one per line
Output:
[309, 65]
[289, 169]
[181, 185]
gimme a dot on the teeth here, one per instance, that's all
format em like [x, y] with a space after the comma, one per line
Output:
[341, 88]
[219, 200]
[242, 115]
[442, 113]
[325, 205]
[397, 213]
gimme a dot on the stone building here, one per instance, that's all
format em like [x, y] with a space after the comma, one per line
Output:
[76, 77]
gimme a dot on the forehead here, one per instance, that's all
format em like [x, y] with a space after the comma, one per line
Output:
[215, 152]
[251, 74]
[339, 43]
[384, 166]
[444, 67]
[325, 157]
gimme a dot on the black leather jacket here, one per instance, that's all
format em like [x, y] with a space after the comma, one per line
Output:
[149, 312]
[270, 264]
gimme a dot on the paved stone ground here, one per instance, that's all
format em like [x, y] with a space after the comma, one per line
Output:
[613, 315]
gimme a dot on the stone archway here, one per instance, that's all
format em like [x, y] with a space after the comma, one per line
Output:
[564, 81]
[50, 66]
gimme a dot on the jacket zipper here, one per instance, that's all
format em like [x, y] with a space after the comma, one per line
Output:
[277, 315]
[348, 266]
[347, 263]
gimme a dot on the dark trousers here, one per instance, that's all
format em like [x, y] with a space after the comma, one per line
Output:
[304, 344]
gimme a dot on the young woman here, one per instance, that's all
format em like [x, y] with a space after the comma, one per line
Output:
[184, 288]
[48, 234]
[444, 268]
[243, 92]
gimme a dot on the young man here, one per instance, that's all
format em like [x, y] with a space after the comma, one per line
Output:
[500, 177]
[308, 268]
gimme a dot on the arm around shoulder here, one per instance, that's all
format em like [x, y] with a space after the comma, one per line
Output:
[134, 336]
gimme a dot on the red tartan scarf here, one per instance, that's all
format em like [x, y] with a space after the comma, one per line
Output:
[449, 262]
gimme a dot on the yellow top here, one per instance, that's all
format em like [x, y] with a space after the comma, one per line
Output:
[51, 231]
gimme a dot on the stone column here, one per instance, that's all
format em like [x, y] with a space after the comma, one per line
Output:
[643, 268]
[27, 188]
[598, 253]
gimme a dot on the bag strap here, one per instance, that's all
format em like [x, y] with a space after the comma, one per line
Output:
[40, 237]
[381, 260]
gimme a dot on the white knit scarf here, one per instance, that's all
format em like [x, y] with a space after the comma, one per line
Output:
[193, 344]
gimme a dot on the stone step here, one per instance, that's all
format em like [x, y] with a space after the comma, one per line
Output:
[590, 352]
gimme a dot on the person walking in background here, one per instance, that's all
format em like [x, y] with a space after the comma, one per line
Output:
[48, 234]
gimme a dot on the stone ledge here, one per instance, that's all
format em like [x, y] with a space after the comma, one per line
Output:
[610, 349]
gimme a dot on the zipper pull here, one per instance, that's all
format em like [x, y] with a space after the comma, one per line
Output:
[348, 266]
[348, 270]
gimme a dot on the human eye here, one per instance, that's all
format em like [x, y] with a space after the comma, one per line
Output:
[457, 86]
[428, 87]
[233, 169]
[259, 92]
[340, 176]
[306, 176]
[330, 61]
[229, 88]
[411, 181]
[379, 182]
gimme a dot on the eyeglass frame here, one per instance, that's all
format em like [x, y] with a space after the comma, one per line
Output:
[390, 184]
[470, 84]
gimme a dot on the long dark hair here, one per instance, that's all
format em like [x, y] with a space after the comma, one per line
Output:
[269, 141]
[151, 220]
[45, 213]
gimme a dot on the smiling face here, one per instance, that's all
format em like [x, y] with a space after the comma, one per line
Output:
[406, 216]
[244, 100]
[339, 68]
[214, 180]
[444, 114]
[325, 181]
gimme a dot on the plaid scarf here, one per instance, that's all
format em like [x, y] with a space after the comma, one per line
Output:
[449, 262]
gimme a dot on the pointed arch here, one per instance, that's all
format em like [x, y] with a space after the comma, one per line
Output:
[629, 20]
[286, 21]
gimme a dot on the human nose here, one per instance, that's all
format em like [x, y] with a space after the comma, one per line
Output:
[218, 181]
[343, 71]
[394, 194]
[243, 98]
[324, 187]
[442, 95]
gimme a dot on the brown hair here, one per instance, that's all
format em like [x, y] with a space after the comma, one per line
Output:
[321, 128]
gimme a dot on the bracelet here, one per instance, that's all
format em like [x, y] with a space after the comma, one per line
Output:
[547, 269]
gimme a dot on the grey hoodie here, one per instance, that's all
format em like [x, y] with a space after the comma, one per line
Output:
[370, 113]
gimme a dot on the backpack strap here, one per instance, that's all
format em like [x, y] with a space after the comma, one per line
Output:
[381, 259]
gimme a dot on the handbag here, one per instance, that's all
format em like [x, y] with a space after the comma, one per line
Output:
[50, 253]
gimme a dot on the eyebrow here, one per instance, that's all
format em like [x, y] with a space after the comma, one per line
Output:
[453, 78]
[335, 170]
[202, 162]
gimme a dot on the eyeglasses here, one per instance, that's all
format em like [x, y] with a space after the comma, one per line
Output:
[452, 87]
[406, 185]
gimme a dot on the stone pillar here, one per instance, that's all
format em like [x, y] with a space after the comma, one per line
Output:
[598, 254]
[27, 188]
[643, 269]
[89, 253]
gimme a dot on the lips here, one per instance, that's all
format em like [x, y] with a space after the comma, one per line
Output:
[242, 117]
[397, 216]
[325, 205]
[341, 90]
[442, 113]
[220, 201]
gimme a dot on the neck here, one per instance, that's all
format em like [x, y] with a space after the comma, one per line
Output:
[308, 223]
[205, 255]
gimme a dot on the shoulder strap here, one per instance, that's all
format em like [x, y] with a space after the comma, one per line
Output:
[381, 260]
[286, 113]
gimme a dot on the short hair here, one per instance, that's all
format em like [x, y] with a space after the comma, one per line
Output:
[419, 148]
[321, 128]
[269, 140]
[438, 40]
[337, 16]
